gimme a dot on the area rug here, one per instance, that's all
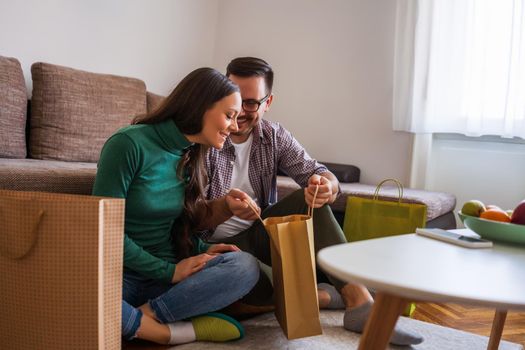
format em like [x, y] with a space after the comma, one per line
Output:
[263, 332]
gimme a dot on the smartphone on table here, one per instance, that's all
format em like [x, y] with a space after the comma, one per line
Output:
[454, 238]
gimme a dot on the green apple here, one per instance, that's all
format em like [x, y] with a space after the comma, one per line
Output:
[473, 207]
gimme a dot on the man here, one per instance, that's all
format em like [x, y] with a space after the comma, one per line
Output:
[250, 160]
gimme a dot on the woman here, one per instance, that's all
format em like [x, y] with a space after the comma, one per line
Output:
[157, 166]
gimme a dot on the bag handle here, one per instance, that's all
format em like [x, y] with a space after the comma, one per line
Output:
[310, 208]
[399, 188]
[21, 220]
[252, 207]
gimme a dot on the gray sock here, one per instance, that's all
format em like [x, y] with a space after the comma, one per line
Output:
[336, 301]
[355, 320]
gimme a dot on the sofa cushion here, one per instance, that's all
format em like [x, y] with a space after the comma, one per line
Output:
[13, 109]
[74, 112]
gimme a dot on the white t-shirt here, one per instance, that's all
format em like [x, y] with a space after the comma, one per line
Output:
[240, 180]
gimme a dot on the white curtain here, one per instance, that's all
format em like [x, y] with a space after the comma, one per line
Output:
[460, 67]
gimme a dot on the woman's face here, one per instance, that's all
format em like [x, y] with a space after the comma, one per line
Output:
[220, 120]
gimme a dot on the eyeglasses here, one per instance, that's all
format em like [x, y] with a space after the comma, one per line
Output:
[253, 105]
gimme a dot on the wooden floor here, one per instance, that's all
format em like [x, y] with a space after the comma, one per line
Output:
[472, 319]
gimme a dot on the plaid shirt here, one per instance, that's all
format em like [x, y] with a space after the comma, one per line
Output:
[273, 148]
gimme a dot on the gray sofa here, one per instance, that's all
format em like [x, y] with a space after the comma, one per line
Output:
[54, 144]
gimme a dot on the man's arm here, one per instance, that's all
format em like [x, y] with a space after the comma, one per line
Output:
[306, 171]
[293, 159]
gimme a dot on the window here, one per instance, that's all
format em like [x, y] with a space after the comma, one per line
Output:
[460, 67]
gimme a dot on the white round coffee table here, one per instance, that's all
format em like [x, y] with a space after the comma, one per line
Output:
[410, 267]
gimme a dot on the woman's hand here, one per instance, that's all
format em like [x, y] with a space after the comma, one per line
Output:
[189, 266]
[222, 248]
[324, 194]
[237, 204]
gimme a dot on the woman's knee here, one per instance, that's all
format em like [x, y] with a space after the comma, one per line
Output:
[245, 267]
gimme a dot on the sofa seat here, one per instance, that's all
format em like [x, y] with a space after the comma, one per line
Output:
[77, 178]
[438, 203]
[47, 175]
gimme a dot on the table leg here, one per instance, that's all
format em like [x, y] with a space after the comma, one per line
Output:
[497, 329]
[381, 321]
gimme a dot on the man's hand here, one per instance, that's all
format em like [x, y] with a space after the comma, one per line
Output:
[222, 248]
[189, 266]
[324, 194]
[237, 203]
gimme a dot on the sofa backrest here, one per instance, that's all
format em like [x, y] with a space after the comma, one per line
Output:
[74, 112]
[154, 101]
[13, 106]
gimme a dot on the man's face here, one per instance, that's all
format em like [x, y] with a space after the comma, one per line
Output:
[253, 90]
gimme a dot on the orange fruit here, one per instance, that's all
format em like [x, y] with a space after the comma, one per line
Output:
[495, 215]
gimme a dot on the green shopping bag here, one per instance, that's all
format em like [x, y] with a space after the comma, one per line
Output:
[367, 218]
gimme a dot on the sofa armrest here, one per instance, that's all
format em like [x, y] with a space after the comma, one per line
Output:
[344, 172]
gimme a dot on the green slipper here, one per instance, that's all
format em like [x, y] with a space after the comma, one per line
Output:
[217, 327]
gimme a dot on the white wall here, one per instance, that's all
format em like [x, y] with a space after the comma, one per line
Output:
[157, 41]
[333, 75]
[333, 59]
[492, 172]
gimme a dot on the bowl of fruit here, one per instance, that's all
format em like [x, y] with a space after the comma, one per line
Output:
[493, 223]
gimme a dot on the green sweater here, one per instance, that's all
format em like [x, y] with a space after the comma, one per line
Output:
[139, 163]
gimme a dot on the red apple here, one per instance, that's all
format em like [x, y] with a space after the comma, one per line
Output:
[518, 215]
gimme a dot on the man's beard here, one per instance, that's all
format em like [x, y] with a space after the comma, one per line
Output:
[250, 124]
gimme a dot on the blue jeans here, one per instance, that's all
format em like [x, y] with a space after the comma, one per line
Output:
[225, 279]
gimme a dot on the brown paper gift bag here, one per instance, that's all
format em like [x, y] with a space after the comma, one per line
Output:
[294, 276]
[60, 271]
[294, 279]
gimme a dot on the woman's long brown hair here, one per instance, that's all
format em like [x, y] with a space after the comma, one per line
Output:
[186, 105]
